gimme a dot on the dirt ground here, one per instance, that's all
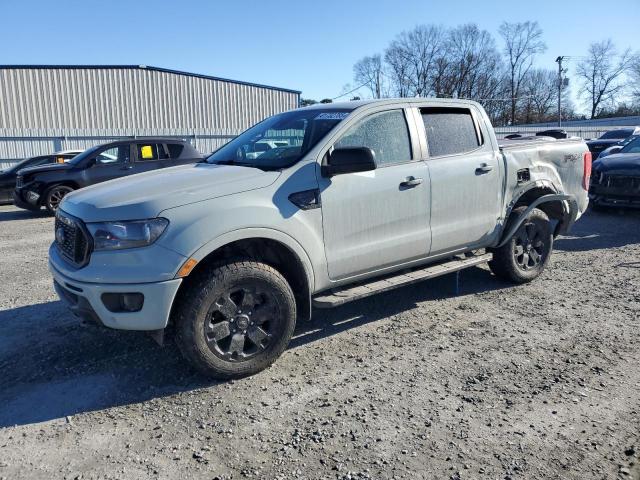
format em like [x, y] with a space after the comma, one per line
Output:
[499, 382]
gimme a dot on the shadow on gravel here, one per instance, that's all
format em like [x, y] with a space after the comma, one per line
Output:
[604, 229]
[53, 367]
[6, 215]
[377, 307]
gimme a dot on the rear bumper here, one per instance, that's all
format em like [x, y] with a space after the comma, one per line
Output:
[85, 300]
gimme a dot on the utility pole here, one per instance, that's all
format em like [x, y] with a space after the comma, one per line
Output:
[559, 62]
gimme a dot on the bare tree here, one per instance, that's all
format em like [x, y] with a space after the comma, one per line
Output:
[634, 74]
[602, 74]
[540, 88]
[523, 41]
[472, 54]
[368, 72]
[412, 58]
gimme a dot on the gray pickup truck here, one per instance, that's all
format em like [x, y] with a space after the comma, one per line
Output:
[352, 199]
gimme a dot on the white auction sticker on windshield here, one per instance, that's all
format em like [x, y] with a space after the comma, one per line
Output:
[332, 116]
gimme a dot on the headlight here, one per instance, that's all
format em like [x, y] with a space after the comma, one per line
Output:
[130, 234]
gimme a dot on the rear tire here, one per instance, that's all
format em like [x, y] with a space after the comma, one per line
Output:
[235, 319]
[526, 254]
[54, 196]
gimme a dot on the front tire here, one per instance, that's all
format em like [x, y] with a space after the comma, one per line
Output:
[235, 319]
[54, 196]
[526, 254]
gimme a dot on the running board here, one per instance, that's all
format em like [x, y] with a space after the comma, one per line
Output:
[336, 297]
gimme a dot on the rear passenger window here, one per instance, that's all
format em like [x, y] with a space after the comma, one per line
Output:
[175, 149]
[150, 151]
[449, 131]
[385, 133]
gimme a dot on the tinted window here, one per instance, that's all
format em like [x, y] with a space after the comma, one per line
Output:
[119, 154]
[150, 151]
[612, 134]
[385, 133]
[632, 147]
[449, 131]
[175, 149]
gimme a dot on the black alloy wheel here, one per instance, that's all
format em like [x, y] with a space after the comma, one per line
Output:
[242, 322]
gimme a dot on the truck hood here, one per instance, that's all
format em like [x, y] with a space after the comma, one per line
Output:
[147, 194]
[620, 163]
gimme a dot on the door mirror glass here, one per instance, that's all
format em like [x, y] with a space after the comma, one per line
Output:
[349, 160]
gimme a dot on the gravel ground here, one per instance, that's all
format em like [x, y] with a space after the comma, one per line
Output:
[537, 381]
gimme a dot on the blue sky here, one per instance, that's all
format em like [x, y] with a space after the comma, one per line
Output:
[309, 46]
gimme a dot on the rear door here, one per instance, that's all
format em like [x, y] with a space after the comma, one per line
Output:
[372, 220]
[466, 178]
[150, 156]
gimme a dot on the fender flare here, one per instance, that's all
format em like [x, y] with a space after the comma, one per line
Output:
[571, 209]
[260, 232]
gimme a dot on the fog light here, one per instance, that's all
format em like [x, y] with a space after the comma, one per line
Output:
[123, 302]
[32, 197]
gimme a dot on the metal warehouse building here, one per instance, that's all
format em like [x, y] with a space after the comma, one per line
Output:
[52, 107]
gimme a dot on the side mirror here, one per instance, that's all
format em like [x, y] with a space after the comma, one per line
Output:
[615, 149]
[349, 160]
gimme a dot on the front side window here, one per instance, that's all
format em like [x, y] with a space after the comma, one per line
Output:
[385, 133]
[279, 141]
[113, 155]
[449, 131]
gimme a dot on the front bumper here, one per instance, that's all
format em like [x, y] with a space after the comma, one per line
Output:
[85, 300]
[19, 201]
[625, 195]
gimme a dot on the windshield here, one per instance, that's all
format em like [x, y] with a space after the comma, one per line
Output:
[613, 134]
[81, 156]
[279, 141]
[632, 147]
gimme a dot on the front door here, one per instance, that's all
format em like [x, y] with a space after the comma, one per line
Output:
[372, 220]
[113, 162]
[466, 179]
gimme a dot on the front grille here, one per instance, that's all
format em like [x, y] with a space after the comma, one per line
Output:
[71, 239]
[19, 181]
[623, 182]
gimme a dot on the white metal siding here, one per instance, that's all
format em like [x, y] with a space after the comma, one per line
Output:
[112, 102]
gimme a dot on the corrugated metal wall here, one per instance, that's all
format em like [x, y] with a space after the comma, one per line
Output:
[41, 108]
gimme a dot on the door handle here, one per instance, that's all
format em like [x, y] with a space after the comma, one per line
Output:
[410, 182]
[127, 167]
[484, 168]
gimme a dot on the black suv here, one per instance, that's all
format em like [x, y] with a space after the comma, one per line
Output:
[47, 185]
[8, 176]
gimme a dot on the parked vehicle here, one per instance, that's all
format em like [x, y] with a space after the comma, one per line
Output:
[616, 178]
[264, 146]
[8, 176]
[369, 196]
[617, 147]
[609, 139]
[556, 133]
[47, 185]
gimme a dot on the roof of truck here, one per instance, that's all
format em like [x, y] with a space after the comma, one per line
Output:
[352, 105]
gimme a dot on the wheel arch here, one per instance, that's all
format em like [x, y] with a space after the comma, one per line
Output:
[545, 196]
[271, 247]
